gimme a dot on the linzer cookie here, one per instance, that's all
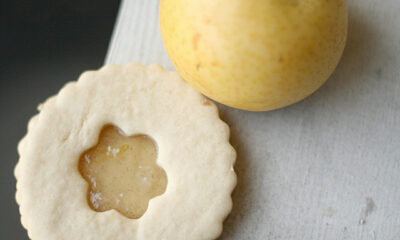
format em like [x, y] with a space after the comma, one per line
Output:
[126, 152]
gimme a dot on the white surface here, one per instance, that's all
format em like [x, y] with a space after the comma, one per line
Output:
[325, 168]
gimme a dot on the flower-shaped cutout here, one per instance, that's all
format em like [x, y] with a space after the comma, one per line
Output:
[122, 172]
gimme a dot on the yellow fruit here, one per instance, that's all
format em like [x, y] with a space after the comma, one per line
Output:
[254, 55]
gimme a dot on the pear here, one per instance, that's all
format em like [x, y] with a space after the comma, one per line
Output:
[254, 55]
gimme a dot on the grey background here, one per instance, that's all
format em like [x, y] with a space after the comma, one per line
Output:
[43, 44]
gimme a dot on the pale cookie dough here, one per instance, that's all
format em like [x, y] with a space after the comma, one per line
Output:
[193, 149]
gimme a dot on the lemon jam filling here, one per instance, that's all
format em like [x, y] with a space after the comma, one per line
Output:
[122, 172]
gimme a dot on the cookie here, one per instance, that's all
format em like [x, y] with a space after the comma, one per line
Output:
[126, 152]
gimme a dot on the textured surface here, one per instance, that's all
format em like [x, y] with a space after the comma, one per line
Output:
[325, 168]
[147, 100]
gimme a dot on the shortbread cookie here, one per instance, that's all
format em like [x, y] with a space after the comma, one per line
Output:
[126, 152]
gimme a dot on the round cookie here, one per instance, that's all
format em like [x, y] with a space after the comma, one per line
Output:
[192, 146]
